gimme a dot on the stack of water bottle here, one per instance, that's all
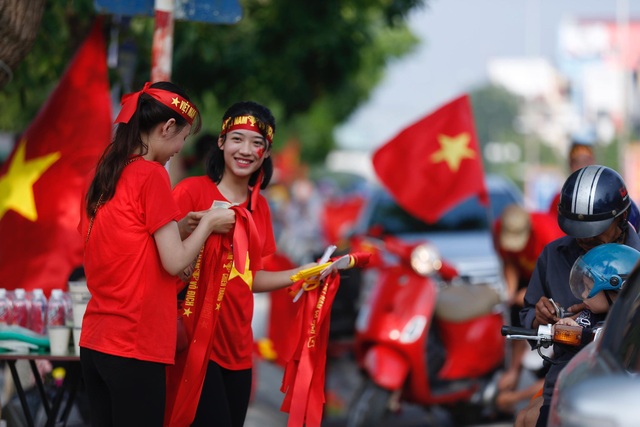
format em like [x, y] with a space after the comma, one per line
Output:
[32, 315]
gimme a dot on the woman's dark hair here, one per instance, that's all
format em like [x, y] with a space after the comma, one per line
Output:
[215, 165]
[127, 140]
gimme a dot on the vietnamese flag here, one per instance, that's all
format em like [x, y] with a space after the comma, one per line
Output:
[42, 182]
[434, 163]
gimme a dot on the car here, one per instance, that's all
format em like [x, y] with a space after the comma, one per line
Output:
[600, 384]
[463, 235]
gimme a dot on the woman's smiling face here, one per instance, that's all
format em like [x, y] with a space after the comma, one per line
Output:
[244, 151]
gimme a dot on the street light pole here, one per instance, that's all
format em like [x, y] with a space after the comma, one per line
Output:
[622, 18]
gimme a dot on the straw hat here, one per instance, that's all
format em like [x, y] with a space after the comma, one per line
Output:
[515, 228]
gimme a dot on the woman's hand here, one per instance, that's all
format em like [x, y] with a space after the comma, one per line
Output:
[185, 275]
[221, 220]
[189, 223]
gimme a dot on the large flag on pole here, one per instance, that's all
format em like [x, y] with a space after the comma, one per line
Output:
[434, 163]
[42, 181]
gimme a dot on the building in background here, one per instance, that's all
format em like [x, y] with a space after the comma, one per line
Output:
[600, 61]
[590, 92]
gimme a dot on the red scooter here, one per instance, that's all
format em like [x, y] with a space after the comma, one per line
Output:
[425, 336]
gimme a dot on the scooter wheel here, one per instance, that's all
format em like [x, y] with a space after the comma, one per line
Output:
[369, 406]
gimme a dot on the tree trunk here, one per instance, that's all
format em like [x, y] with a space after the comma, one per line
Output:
[19, 24]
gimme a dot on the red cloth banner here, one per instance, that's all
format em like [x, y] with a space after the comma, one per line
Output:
[434, 163]
[304, 374]
[306, 350]
[42, 182]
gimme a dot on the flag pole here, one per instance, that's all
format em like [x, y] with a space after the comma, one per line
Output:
[162, 48]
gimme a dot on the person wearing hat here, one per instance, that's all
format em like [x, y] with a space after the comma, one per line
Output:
[520, 236]
[593, 210]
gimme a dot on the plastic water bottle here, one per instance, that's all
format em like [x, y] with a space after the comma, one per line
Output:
[56, 309]
[66, 296]
[57, 329]
[21, 307]
[6, 308]
[38, 312]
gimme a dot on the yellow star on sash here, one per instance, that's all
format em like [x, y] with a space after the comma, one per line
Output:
[175, 101]
[187, 312]
[16, 187]
[246, 277]
[453, 150]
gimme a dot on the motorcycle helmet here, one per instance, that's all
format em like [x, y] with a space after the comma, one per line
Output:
[604, 267]
[590, 199]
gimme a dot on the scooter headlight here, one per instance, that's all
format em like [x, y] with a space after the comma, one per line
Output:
[425, 259]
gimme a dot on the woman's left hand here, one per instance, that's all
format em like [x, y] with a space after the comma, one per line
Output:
[185, 275]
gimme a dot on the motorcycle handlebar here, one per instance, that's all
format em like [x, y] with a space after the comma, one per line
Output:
[514, 330]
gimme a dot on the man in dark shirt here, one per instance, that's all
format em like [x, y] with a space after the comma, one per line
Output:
[593, 209]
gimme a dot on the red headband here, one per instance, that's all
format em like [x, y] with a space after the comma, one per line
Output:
[170, 99]
[248, 123]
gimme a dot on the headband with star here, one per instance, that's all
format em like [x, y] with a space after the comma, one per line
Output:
[172, 100]
[248, 122]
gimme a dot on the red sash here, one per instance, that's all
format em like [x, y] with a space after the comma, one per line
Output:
[200, 314]
[303, 380]
[306, 351]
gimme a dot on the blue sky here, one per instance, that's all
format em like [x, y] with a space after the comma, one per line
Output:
[458, 37]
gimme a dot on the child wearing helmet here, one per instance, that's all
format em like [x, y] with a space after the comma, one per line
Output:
[596, 278]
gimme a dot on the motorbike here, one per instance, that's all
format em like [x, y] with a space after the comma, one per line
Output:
[425, 335]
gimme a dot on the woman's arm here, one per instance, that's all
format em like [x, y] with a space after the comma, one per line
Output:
[266, 281]
[176, 254]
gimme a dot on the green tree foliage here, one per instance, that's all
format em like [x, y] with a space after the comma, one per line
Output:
[311, 62]
[62, 29]
[496, 111]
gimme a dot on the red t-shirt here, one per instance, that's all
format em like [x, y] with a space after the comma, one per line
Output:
[233, 336]
[132, 310]
[544, 230]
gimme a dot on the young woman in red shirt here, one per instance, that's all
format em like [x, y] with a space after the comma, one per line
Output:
[133, 253]
[229, 270]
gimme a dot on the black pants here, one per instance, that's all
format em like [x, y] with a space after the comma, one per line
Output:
[123, 392]
[225, 397]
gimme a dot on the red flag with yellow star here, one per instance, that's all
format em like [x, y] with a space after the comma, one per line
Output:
[42, 182]
[434, 163]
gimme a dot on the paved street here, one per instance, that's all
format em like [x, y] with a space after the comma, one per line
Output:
[342, 380]
[264, 409]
